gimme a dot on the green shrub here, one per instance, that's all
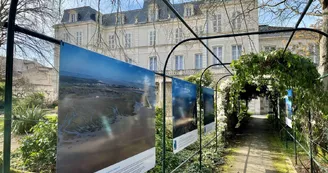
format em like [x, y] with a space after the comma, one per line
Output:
[25, 118]
[39, 148]
[34, 99]
[270, 118]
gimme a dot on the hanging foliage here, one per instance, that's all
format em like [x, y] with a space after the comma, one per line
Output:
[271, 75]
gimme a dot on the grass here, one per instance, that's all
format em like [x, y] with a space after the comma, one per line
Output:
[228, 159]
[280, 161]
[1, 124]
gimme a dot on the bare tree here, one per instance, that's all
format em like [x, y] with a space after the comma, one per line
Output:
[36, 15]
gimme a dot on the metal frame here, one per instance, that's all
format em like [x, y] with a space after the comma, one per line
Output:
[216, 108]
[200, 112]
[12, 28]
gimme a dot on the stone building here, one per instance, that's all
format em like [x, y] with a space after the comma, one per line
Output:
[145, 36]
[30, 76]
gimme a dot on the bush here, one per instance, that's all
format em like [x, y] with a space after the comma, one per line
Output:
[34, 99]
[31, 100]
[39, 148]
[25, 118]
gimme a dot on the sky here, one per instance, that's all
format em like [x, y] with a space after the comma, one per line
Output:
[78, 60]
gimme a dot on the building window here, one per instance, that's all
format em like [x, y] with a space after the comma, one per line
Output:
[73, 17]
[236, 20]
[111, 43]
[152, 13]
[128, 60]
[217, 23]
[127, 40]
[199, 30]
[198, 61]
[152, 38]
[79, 38]
[236, 51]
[218, 52]
[269, 48]
[188, 11]
[120, 19]
[66, 37]
[314, 53]
[179, 63]
[178, 35]
[153, 63]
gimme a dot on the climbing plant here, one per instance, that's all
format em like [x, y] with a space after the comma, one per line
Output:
[271, 75]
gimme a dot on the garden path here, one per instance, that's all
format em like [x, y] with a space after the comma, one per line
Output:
[257, 150]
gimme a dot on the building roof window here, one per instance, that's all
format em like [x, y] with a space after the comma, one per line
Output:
[73, 16]
[153, 13]
[120, 19]
[188, 10]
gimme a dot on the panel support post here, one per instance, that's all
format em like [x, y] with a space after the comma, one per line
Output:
[164, 123]
[216, 119]
[310, 130]
[295, 146]
[9, 84]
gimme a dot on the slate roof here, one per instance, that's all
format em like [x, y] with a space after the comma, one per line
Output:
[271, 28]
[87, 13]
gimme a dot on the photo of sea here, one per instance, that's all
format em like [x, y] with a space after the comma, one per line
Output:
[184, 107]
[208, 100]
[106, 111]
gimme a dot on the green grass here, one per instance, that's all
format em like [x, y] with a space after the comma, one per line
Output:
[228, 159]
[280, 160]
[1, 124]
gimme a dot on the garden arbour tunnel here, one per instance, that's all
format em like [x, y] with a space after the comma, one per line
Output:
[12, 28]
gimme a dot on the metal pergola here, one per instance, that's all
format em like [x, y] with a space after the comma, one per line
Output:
[12, 28]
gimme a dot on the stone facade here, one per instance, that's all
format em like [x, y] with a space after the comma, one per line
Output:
[31, 76]
[145, 36]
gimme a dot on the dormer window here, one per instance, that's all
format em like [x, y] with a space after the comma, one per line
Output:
[72, 16]
[120, 19]
[152, 13]
[99, 18]
[188, 10]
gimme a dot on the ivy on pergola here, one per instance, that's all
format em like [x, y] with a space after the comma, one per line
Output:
[271, 74]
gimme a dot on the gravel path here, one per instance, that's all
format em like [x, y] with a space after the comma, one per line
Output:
[255, 153]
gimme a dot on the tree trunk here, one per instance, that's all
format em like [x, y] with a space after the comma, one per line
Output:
[323, 66]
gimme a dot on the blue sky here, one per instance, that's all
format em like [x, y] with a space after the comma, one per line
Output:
[77, 60]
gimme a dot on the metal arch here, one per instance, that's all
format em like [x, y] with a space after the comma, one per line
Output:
[212, 37]
[216, 112]
[200, 112]
[9, 67]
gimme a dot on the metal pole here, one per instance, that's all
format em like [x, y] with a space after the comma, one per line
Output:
[216, 119]
[286, 137]
[200, 112]
[310, 130]
[9, 84]
[200, 121]
[164, 123]
[295, 145]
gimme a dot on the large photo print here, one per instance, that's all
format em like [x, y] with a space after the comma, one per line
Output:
[208, 100]
[184, 114]
[106, 117]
